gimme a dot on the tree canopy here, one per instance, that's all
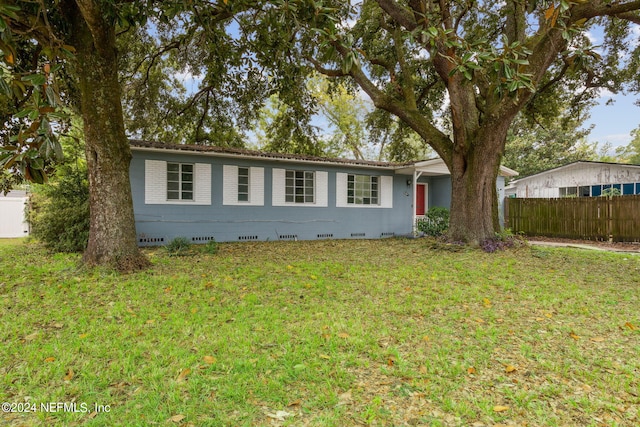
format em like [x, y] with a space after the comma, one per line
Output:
[478, 63]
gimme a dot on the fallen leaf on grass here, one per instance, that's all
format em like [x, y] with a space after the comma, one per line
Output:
[510, 368]
[630, 326]
[486, 302]
[500, 408]
[49, 359]
[177, 418]
[471, 370]
[210, 360]
[597, 339]
[343, 335]
[345, 398]
[31, 337]
[426, 338]
[296, 402]
[183, 375]
[325, 357]
[279, 415]
[574, 336]
[69, 375]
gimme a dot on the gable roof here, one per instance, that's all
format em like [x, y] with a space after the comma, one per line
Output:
[577, 163]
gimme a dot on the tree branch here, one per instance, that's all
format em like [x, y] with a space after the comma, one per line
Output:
[101, 32]
[329, 72]
[399, 14]
[630, 16]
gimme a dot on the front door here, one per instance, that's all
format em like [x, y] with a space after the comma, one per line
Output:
[420, 199]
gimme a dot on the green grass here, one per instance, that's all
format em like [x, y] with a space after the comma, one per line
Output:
[331, 333]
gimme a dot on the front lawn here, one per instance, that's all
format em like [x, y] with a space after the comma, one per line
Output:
[328, 333]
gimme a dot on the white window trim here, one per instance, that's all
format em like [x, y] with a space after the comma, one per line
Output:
[180, 191]
[321, 189]
[155, 184]
[385, 192]
[230, 186]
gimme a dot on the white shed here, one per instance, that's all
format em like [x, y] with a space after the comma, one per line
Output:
[13, 220]
[578, 179]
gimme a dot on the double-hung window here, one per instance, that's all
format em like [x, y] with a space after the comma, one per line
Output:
[243, 184]
[363, 190]
[299, 186]
[179, 181]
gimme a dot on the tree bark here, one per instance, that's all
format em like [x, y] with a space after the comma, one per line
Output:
[474, 199]
[112, 234]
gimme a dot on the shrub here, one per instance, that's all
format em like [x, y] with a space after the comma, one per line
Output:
[59, 212]
[179, 246]
[435, 223]
[610, 192]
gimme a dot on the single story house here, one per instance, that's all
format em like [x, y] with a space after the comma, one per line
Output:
[205, 192]
[13, 220]
[578, 179]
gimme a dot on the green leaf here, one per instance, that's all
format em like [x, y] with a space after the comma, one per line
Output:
[9, 10]
[51, 96]
[24, 112]
[35, 79]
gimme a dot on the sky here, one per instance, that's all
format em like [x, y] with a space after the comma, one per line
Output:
[613, 123]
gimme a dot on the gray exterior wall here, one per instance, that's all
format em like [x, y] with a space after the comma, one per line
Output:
[440, 193]
[157, 224]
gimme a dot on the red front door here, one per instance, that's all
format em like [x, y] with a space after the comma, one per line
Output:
[419, 199]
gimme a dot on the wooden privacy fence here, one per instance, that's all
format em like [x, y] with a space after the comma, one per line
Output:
[596, 218]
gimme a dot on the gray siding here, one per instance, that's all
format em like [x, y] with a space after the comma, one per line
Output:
[159, 223]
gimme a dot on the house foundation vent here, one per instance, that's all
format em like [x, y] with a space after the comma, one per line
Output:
[387, 234]
[325, 236]
[247, 237]
[357, 234]
[202, 239]
[151, 240]
[288, 237]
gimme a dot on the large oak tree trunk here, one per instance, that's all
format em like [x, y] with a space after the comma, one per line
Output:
[112, 235]
[474, 202]
[474, 197]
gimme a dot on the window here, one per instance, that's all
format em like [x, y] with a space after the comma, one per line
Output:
[299, 186]
[243, 184]
[585, 191]
[362, 190]
[627, 189]
[179, 181]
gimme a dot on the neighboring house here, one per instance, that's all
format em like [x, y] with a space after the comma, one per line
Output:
[578, 179]
[226, 194]
[13, 221]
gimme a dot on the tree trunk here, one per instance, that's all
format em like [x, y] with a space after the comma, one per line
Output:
[474, 198]
[112, 234]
